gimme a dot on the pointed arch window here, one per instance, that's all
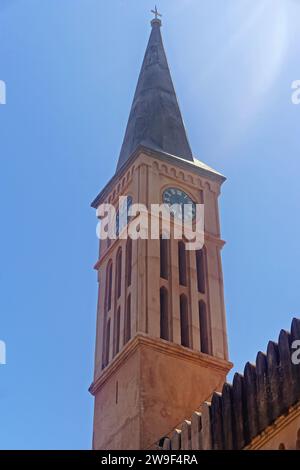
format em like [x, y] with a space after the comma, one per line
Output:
[119, 273]
[164, 258]
[128, 261]
[204, 329]
[108, 288]
[164, 315]
[184, 321]
[182, 263]
[107, 343]
[200, 265]
[128, 319]
[117, 323]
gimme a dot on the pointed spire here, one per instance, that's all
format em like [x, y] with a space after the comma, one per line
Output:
[155, 119]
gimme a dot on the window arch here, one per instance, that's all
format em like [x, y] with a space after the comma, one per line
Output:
[119, 273]
[164, 315]
[164, 258]
[184, 321]
[128, 261]
[182, 263]
[117, 323]
[200, 266]
[204, 328]
[107, 343]
[128, 319]
[108, 288]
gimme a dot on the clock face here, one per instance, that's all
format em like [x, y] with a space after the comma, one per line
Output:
[184, 204]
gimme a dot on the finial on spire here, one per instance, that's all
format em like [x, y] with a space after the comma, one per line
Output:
[155, 12]
[156, 20]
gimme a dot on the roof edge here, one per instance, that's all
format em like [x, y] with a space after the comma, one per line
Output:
[200, 168]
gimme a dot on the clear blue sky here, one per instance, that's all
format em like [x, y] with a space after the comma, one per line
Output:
[71, 67]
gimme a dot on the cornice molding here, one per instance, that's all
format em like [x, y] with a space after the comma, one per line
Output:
[142, 340]
[210, 174]
[209, 237]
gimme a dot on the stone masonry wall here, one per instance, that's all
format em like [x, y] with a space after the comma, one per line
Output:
[247, 406]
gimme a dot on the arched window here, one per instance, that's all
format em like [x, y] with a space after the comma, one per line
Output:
[184, 321]
[204, 329]
[119, 273]
[182, 263]
[128, 261]
[164, 314]
[107, 341]
[281, 446]
[128, 320]
[200, 264]
[164, 258]
[108, 286]
[117, 330]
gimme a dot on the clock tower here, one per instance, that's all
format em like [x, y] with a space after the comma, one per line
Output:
[161, 343]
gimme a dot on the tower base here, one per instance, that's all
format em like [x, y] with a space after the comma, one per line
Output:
[158, 386]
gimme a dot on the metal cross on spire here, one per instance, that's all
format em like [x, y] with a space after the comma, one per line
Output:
[155, 12]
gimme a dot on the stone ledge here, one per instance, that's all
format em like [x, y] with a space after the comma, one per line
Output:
[171, 349]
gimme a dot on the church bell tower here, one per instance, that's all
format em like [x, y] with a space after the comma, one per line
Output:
[161, 343]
